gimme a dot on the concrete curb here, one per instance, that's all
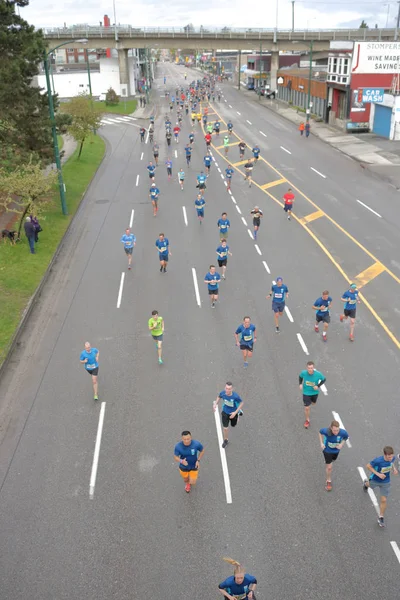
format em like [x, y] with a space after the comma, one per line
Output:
[37, 293]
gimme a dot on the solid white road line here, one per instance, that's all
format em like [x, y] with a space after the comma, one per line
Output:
[141, 158]
[368, 208]
[96, 451]
[185, 215]
[196, 286]
[396, 550]
[337, 418]
[224, 463]
[132, 215]
[120, 119]
[226, 185]
[250, 234]
[262, 133]
[230, 105]
[244, 221]
[137, 180]
[289, 314]
[222, 175]
[176, 154]
[285, 150]
[302, 344]
[238, 209]
[249, 122]
[318, 173]
[324, 389]
[258, 249]
[238, 113]
[233, 200]
[371, 493]
[121, 287]
[229, 192]
[216, 164]
[266, 267]
[147, 137]
[218, 169]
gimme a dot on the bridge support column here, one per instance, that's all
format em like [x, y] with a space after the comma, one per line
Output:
[274, 70]
[123, 71]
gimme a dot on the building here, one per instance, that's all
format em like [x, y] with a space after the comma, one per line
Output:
[293, 87]
[258, 69]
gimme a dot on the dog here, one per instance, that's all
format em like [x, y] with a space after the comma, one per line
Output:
[6, 234]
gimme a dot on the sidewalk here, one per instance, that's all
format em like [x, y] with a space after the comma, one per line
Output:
[149, 110]
[378, 155]
[8, 219]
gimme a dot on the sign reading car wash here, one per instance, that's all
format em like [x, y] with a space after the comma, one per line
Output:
[372, 95]
[376, 57]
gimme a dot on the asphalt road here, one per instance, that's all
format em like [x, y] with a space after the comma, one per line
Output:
[140, 535]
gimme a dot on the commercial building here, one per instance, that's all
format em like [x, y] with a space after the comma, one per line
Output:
[258, 69]
[293, 87]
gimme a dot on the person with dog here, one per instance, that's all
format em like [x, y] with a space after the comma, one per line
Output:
[30, 233]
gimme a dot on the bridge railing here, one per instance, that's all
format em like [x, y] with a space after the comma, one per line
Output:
[127, 31]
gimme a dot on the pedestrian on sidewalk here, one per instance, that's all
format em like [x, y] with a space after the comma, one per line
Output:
[30, 233]
[301, 128]
[307, 129]
[141, 101]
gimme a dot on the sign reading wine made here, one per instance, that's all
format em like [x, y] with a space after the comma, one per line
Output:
[376, 57]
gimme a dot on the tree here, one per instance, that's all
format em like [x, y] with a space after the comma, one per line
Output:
[363, 25]
[86, 118]
[26, 189]
[24, 122]
[112, 98]
[63, 121]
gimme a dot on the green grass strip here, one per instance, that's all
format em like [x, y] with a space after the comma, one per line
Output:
[125, 107]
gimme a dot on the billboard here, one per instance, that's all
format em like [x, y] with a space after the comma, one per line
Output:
[376, 57]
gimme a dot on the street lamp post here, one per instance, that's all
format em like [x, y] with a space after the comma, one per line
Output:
[309, 83]
[259, 81]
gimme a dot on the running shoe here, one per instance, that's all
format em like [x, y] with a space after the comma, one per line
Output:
[245, 364]
[160, 361]
[277, 330]
[187, 488]
[341, 318]
[365, 486]
[129, 267]
[381, 522]
[328, 486]
[225, 443]
[351, 338]
[161, 269]
[95, 398]
[324, 337]
[316, 328]
[213, 305]
[306, 424]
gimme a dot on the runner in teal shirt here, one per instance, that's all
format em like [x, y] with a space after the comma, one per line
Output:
[310, 380]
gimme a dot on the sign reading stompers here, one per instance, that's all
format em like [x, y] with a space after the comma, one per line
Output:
[376, 57]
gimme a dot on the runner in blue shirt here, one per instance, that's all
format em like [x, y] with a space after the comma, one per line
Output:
[168, 164]
[222, 256]
[231, 409]
[229, 172]
[188, 454]
[310, 381]
[191, 138]
[152, 170]
[331, 439]
[279, 293]
[129, 241]
[256, 152]
[230, 127]
[201, 182]
[154, 194]
[212, 280]
[223, 225]
[350, 298]
[207, 163]
[322, 306]
[200, 204]
[188, 152]
[241, 585]
[164, 252]
[90, 358]
[181, 178]
[245, 336]
[217, 127]
[380, 469]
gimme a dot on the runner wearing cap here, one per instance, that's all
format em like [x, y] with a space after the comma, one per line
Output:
[350, 297]
[279, 293]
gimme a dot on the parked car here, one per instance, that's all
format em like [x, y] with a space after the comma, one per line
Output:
[267, 92]
[250, 86]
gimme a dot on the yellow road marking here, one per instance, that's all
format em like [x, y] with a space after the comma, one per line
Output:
[369, 274]
[311, 217]
[238, 164]
[272, 183]
[219, 147]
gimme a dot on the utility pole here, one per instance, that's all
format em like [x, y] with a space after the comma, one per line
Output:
[309, 83]
[397, 23]
[259, 81]
[293, 15]
[240, 66]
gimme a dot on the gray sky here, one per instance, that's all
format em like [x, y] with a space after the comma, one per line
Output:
[218, 13]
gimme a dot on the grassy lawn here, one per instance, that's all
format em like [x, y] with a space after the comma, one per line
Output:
[125, 107]
[20, 271]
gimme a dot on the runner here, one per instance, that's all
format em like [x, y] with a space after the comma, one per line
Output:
[212, 280]
[188, 454]
[207, 163]
[90, 358]
[176, 132]
[198, 117]
[208, 138]
[226, 144]
[229, 172]
[322, 306]
[152, 170]
[142, 132]
[242, 148]
[164, 253]
[188, 152]
[231, 409]
[256, 152]
[129, 241]
[230, 127]
[156, 152]
[245, 336]
[181, 178]
[332, 439]
[257, 216]
[201, 182]
[193, 117]
[350, 297]
[168, 164]
[248, 168]
[200, 204]
[223, 226]
[288, 199]
[279, 293]
[156, 326]
[191, 138]
[240, 586]
[381, 468]
[222, 256]
[217, 127]
[154, 195]
[205, 118]
[151, 134]
[310, 380]
[210, 128]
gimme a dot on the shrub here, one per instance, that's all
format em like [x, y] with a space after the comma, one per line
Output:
[112, 99]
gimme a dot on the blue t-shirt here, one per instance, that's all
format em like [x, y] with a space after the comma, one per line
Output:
[168, 164]
[351, 299]
[154, 193]
[188, 151]
[217, 125]
[199, 204]
[222, 253]
[224, 225]
[236, 589]
[190, 452]
[162, 246]
[331, 441]
[91, 356]
[181, 175]
[246, 334]
[201, 178]
[229, 173]
[256, 151]
[229, 125]
[309, 381]
[207, 160]
[128, 240]
[279, 293]
[151, 169]
[213, 280]
[231, 402]
[324, 306]
[382, 466]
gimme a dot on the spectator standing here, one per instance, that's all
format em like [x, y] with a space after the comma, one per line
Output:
[30, 234]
